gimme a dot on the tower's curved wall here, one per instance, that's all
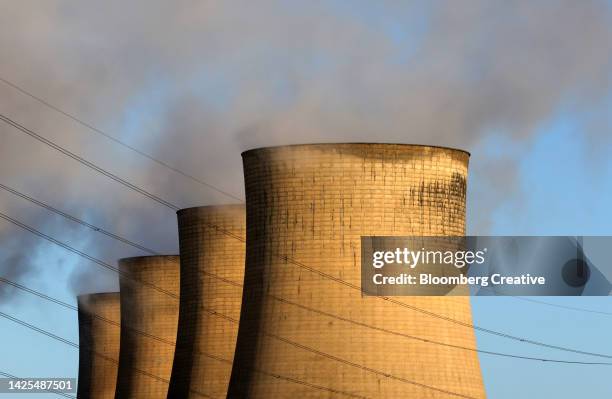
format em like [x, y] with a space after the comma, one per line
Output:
[98, 345]
[147, 311]
[312, 203]
[211, 240]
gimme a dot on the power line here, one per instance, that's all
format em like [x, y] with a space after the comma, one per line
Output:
[77, 220]
[412, 307]
[168, 204]
[41, 295]
[343, 282]
[59, 302]
[86, 163]
[353, 364]
[412, 337]
[498, 292]
[348, 362]
[77, 346]
[159, 339]
[554, 305]
[116, 140]
[287, 341]
[344, 361]
[93, 128]
[153, 252]
[304, 347]
[170, 343]
[39, 330]
[323, 313]
[294, 380]
[442, 317]
[282, 257]
[86, 256]
[53, 391]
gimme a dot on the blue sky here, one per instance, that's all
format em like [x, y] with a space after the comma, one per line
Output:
[564, 190]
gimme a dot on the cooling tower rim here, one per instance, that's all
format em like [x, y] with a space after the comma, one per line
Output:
[276, 147]
[211, 209]
[136, 259]
[97, 295]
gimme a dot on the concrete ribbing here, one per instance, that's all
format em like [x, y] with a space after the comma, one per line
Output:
[312, 203]
[99, 345]
[206, 249]
[145, 309]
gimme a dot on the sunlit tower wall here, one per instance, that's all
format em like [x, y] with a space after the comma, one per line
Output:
[149, 318]
[211, 240]
[309, 205]
[99, 331]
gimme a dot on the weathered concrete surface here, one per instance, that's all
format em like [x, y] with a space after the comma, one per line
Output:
[309, 205]
[99, 332]
[212, 250]
[147, 312]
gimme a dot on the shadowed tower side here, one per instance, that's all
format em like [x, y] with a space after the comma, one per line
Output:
[99, 332]
[146, 310]
[309, 205]
[211, 240]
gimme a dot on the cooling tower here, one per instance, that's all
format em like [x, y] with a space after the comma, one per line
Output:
[307, 207]
[211, 240]
[99, 320]
[149, 315]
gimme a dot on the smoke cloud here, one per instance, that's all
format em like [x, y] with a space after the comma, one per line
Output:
[194, 83]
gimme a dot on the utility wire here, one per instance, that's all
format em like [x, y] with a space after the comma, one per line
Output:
[171, 343]
[280, 256]
[294, 380]
[343, 282]
[287, 341]
[39, 330]
[116, 140]
[158, 339]
[44, 296]
[397, 333]
[174, 207]
[309, 309]
[554, 305]
[77, 220]
[86, 256]
[85, 162]
[412, 307]
[153, 252]
[150, 157]
[75, 345]
[343, 361]
[53, 391]
[304, 347]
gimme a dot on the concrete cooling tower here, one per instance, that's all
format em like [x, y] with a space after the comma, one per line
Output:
[307, 207]
[99, 321]
[149, 316]
[211, 240]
